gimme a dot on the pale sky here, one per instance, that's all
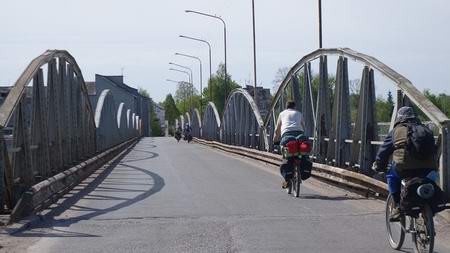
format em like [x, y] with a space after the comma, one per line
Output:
[141, 36]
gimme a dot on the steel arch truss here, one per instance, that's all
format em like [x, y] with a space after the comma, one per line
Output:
[111, 122]
[47, 124]
[196, 123]
[328, 121]
[242, 122]
[211, 123]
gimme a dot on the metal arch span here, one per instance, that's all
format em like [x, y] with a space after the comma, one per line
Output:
[51, 125]
[402, 82]
[106, 121]
[242, 123]
[211, 123]
[328, 119]
[196, 123]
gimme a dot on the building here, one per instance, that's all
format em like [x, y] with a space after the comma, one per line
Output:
[264, 99]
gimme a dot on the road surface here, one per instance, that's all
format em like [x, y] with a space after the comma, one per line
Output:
[169, 197]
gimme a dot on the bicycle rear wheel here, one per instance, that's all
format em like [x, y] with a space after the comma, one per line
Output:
[296, 181]
[395, 230]
[424, 227]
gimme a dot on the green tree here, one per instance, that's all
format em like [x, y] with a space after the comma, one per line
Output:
[143, 92]
[383, 110]
[155, 124]
[442, 101]
[185, 97]
[220, 90]
[171, 109]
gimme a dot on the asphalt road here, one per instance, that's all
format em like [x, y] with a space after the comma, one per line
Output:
[169, 197]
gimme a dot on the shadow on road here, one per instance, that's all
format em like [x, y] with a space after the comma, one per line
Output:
[92, 191]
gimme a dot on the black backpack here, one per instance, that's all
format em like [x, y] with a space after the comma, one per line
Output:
[420, 142]
[410, 200]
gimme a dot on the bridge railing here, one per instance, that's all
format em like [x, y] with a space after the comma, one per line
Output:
[337, 140]
[47, 125]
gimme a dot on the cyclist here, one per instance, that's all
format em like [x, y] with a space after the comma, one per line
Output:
[289, 125]
[187, 133]
[178, 133]
[405, 164]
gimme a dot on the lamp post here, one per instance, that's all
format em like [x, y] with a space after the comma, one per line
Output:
[224, 42]
[201, 87]
[191, 78]
[320, 23]
[178, 82]
[209, 47]
[190, 82]
[255, 93]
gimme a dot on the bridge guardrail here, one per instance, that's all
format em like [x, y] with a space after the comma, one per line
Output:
[45, 193]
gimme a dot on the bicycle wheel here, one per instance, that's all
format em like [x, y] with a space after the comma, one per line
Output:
[296, 182]
[423, 237]
[396, 230]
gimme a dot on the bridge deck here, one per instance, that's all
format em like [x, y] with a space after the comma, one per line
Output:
[169, 197]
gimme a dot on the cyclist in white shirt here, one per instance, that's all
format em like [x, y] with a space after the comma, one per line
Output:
[289, 125]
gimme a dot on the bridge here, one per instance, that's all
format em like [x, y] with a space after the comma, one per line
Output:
[79, 172]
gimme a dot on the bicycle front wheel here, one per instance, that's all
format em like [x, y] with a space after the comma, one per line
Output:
[423, 237]
[395, 230]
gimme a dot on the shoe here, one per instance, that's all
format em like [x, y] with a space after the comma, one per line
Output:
[395, 215]
[285, 184]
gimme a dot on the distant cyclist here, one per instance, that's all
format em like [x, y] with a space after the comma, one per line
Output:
[178, 133]
[289, 124]
[408, 135]
[188, 133]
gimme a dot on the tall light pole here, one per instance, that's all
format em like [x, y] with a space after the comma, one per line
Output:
[224, 42]
[178, 82]
[255, 93]
[320, 23]
[190, 82]
[191, 79]
[201, 87]
[209, 46]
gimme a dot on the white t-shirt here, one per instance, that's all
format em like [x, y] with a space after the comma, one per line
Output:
[290, 121]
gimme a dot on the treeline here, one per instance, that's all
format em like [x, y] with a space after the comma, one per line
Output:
[187, 97]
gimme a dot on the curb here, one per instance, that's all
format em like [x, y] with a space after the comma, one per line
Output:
[363, 184]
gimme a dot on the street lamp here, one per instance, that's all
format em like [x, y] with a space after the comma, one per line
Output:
[184, 67]
[320, 23]
[209, 46]
[255, 93]
[178, 82]
[201, 87]
[190, 82]
[224, 41]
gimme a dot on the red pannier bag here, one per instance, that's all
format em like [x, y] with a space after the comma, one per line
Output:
[292, 147]
[304, 146]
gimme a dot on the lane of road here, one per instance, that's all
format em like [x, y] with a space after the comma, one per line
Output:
[169, 197]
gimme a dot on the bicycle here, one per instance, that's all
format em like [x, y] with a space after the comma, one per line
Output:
[296, 152]
[295, 181]
[419, 223]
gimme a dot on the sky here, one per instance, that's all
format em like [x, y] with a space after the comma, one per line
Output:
[140, 37]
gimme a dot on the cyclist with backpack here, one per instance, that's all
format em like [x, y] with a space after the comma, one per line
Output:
[413, 151]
